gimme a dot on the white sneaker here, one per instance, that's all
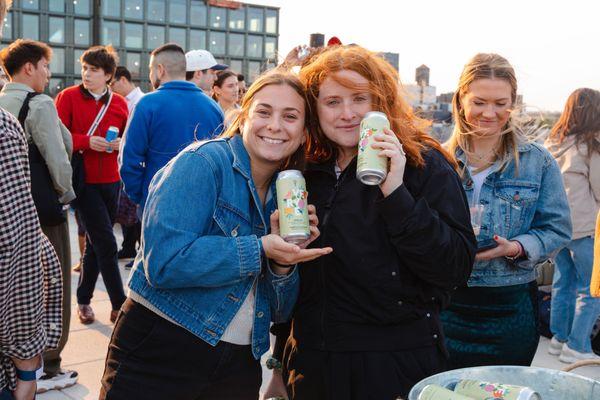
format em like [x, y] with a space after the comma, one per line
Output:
[568, 355]
[555, 347]
[63, 379]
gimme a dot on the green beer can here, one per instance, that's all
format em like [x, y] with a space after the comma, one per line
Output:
[371, 169]
[435, 392]
[292, 202]
[481, 390]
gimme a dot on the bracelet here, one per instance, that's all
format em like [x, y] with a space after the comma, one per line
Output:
[27, 376]
[519, 253]
[274, 364]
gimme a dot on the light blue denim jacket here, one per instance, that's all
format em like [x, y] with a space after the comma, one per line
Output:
[528, 204]
[201, 253]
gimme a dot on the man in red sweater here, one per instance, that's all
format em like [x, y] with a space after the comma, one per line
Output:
[78, 107]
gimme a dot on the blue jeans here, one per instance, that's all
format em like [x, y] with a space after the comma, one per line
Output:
[6, 394]
[574, 311]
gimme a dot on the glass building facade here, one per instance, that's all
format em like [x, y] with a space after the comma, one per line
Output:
[244, 36]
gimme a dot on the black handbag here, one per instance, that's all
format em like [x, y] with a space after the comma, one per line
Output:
[49, 209]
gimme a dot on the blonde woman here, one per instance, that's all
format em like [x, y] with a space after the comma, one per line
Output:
[515, 186]
[575, 143]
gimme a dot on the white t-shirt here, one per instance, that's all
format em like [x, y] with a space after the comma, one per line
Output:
[478, 180]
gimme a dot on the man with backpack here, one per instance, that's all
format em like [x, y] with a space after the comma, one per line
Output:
[50, 145]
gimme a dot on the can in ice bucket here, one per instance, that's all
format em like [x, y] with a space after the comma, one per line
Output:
[435, 392]
[481, 390]
[292, 202]
[371, 169]
[111, 134]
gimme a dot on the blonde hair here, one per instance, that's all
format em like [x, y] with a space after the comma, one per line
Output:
[487, 66]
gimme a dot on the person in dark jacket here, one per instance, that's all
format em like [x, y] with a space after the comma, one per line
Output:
[366, 323]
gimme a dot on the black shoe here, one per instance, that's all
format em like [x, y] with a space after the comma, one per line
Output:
[126, 254]
[129, 265]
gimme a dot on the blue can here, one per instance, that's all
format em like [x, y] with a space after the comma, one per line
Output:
[111, 134]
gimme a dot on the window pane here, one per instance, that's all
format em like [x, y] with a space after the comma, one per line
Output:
[197, 39]
[217, 17]
[7, 29]
[77, 53]
[56, 5]
[133, 35]
[111, 8]
[30, 4]
[82, 32]
[31, 27]
[134, 64]
[271, 22]
[270, 44]
[236, 66]
[198, 13]
[57, 62]
[236, 44]
[255, 19]
[217, 43]
[156, 36]
[81, 6]
[56, 30]
[178, 11]
[55, 86]
[111, 33]
[253, 71]
[237, 18]
[156, 10]
[255, 44]
[177, 35]
[134, 9]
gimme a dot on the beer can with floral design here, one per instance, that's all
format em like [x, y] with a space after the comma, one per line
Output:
[480, 390]
[435, 392]
[371, 169]
[292, 202]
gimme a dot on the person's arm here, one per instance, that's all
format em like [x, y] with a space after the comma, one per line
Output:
[134, 149]
[44, 125]
[22, 335]
[178, 248]
[551, 228]
[64, 107]
[432, 234]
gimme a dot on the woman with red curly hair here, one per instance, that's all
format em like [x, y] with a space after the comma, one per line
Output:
[366, 324]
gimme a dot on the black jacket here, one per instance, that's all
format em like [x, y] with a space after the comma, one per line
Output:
[395, 260]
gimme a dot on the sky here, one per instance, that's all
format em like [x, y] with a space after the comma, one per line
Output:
[553, 45]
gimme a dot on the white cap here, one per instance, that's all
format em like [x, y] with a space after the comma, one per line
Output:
[197, 60]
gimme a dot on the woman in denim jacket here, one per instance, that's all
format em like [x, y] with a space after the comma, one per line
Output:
[519, 214]
[575, 143]
[209, 278]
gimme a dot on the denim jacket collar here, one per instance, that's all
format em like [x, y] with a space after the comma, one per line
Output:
[461, 156]
[241, 158]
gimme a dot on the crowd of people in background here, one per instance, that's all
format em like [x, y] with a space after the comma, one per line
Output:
[433, 269]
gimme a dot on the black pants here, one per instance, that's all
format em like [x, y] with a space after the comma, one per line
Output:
[131, 236]
[97, 208]
[152, 358]
[320, 375]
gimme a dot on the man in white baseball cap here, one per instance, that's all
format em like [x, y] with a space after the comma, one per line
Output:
[201, 69]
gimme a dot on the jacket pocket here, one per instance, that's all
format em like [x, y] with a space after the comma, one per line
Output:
[231, 220]
[517, 202]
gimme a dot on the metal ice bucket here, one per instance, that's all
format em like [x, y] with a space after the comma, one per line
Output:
[550, 384]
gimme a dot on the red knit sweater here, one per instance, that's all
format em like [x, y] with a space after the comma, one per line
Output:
[77, 109]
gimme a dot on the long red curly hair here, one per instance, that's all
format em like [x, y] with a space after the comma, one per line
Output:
[387, 94]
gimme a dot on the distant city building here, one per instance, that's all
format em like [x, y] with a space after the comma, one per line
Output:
[393, 59]
[422, 75]
[422, 97]
[244, 36]
[445, 97]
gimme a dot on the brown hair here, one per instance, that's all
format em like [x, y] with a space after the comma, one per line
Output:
[580, 118]
[277, 76]
[221, 76]
[387, 98]
[104, 57]
[485, 66]
[21, 52]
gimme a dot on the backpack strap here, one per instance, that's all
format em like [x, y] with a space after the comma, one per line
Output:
[25, 108]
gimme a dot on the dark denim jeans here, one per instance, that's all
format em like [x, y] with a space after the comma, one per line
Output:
[6, 394]
[97, 209]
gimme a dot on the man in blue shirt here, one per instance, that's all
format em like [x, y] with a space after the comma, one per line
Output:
[164, 122]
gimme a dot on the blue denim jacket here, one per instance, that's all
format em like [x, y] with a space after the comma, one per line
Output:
[201, 254]
[528, 204]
